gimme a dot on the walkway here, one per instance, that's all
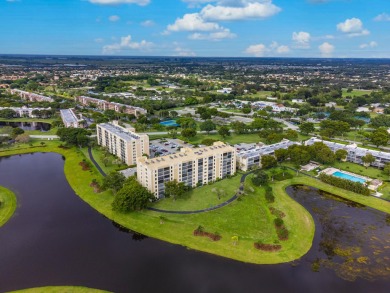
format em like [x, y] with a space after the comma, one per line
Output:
[233, 198]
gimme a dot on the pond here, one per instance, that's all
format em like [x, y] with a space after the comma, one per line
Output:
[56, 239]
[41, 126]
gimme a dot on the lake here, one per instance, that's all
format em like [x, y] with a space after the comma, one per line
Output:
[41, 126]
[55, 238]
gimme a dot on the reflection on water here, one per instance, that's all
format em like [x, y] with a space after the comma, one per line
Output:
[55, 238]
[354, 240]
[135, 235]
[40, 126]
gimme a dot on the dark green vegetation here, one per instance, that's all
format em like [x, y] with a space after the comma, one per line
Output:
[345, 184]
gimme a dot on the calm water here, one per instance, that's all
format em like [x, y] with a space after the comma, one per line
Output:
[41, 126]
[56, 239]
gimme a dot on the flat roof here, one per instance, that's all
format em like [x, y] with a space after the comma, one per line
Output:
[120, 131]
[69, 116]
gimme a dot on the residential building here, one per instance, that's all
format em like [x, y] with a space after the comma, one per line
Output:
[106, 105]
[122, 142]
[70, 119]
[25, 112]
[355, 153]
[31, 96]
[193, 166]
[252, 158]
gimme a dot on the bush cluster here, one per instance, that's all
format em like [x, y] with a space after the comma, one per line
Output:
[345, 184]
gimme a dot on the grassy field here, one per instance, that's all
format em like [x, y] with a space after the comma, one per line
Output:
[202, 197]
[356, 93]
[98, 156]
[60, 289]
[232, 139]
[248, 218]
[8, 205]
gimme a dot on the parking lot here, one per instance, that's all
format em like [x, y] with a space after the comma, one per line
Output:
[162, 147]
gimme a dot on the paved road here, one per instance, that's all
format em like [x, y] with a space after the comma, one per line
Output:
[288, 124]
[96, 163]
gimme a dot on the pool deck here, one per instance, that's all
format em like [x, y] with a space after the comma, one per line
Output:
[330, 171]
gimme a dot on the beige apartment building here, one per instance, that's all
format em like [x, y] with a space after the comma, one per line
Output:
[192, 166]
[123, 142]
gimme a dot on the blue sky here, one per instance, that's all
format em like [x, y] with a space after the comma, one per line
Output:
[262, 28]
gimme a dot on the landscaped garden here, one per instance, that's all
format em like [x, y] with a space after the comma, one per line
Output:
[249, 220]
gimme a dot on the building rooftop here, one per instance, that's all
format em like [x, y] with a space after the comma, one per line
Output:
[123, 133]
[68, 116]
[265, 150]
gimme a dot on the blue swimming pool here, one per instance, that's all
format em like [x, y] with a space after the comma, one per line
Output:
[348, 177]
[170, 123]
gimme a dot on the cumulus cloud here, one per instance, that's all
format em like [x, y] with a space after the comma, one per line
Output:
[116, 2]
[192, 22]
[179, 51]
[126, 43]
[114, 18]
[353, 27]
[250, 10]
[326, 49]
[301, 40]
[148, 23]
[261, 50]
[382, 17]
[371, 44]
[214, 36]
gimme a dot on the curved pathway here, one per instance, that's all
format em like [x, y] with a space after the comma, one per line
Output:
[230, 200]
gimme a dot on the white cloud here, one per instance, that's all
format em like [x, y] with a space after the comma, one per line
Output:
[258, 50]
[326, 49]
[382, 17]
[214, 36]
[249, 10]
[114, 18]
[192, 22]
[371, 44]
[353, 27]
[184, 52]
[116, 2]
[126, 43]
[148, 23]
[261, 50]
[301, 40]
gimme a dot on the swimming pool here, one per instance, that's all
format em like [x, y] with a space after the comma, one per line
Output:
[348, 177]
[170, 123]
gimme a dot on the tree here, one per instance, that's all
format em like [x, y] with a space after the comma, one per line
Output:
[175, 189]
[224, 131]
[186, 122]
[281, 155]
[307, 128]
[291, 134]
[114, 180]
[22, 138]
[259, 178]
[322, 153]
[16, 131]
[239, 127]
[73, 136]
[131, 197]
[341, 154]
[268, 161]
[173, 133]
[368, 159]
[208, 126]
[386, 169]
[7, 113]
[380, 137]
[299, 155]
[188, 132]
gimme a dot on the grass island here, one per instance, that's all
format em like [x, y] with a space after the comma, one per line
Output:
[250, 218]
[7, 205]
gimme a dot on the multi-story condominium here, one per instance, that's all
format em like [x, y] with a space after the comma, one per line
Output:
[105, 105]
[193, 166]
[70, 119]
[31, 96]
[355, 153]
[122, 142]
[251, 158]
[24, 111]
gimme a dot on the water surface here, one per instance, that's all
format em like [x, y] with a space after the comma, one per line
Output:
[41, 126]
[57, 239]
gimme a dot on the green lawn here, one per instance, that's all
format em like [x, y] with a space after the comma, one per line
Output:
[356, 93]
[232, 139]
[60, 289]
[202, 197]
[7, 205]
[248, 218]
[97, 153]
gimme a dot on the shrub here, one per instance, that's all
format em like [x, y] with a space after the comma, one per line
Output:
[278, 222]
[269, 197]
[345, 184]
